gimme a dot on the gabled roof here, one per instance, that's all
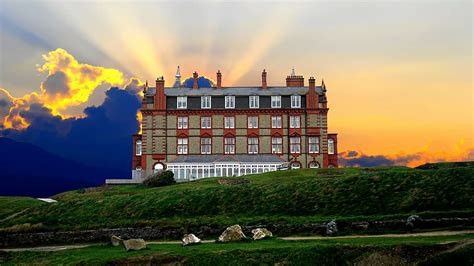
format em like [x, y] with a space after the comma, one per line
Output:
[241, 158]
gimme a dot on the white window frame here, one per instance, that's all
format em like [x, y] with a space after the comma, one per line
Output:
[182, 146]
[229, 102]
[229, 121]
[295, 121]
[138, 148]
[254, 101]
[252, 121]
[276, 102]
[206, 148]
[181, 102]
[229, 145]
[277, 145]
[251, 146]
[314, 165]
[182, 122]
[295, 101]
[313, 144]
[295, 145]
[206, 102]
[277, 121]
[206, 122]
[331, 146]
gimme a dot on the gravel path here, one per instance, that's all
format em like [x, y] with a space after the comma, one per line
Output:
[289, 238]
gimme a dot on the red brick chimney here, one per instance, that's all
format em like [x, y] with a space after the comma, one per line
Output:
[195, 78]
[160, 99]
[294, 81]
[264, 79]
[312, 98]
[219, 79]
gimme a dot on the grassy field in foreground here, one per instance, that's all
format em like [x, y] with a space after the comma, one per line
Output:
[294, 196]
[12, 205]
[329, 252]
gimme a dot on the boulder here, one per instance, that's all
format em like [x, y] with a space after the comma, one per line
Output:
[261, 233]
[190, 239]
[412, 221]
[134, 244]
[116, 240]
[232, 233]
[331, 228]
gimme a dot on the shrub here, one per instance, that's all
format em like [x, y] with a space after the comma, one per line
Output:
[164, 178]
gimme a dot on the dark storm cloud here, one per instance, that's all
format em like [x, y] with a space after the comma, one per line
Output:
[102, 138]
[56, 83]
[365, 161]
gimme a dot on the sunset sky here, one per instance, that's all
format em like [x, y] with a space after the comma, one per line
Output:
[398, 73]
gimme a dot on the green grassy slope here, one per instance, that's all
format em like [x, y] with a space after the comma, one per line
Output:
[12, 205]
[368, 251]
[296, 196]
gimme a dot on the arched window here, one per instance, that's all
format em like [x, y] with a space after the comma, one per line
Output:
[331, 146]
[138, 148]
[314, 165]
[295, 165]
[331, 166]
[158, 167]
[138, 168]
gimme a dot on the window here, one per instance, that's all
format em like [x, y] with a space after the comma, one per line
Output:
[229, 122]
[253, 145]
[276, 101]
[277, 145]
[331, 148]
[182, 102]
[252, 121]
[206, 145]
[205, 102]
[314, 165]
[182, 122]
[276, 121]
[295, 165]
[229, 101]
[295, 144]
[253, 102]
[138, 148]
[206, 122]
[313, 144]
[295, 101]
[229, 145]
[182, 146]
[294, 121]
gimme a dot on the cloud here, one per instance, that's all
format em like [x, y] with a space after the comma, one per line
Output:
[101, 137]
[359, 159]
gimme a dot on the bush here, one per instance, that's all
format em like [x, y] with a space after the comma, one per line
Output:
[164, 178]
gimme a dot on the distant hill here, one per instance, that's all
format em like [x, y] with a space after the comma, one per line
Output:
[27, 170]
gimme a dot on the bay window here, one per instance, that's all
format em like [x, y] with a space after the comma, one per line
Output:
[331, 149]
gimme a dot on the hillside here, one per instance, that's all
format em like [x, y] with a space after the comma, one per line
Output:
[27, 170]
[294, 196]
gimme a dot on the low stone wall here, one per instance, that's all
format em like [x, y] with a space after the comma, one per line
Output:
[280, 229]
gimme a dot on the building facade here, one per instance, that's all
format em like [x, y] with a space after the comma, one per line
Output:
[207, 130]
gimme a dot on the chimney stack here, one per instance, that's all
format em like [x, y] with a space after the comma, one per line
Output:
[264, 79]
[312, 98]
[219, 79]
[160, 99]
[195, 79]
[293, 80]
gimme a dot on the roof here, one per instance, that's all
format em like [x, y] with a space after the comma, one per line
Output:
[243, 158]
[236, 91]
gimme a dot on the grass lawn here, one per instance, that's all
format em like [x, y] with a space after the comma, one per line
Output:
[12, 205]
[330, 251]
[294, 196]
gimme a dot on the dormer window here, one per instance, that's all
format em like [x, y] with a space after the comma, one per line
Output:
[182, 102]
[254, 102]
[276, 101]
[295, 101]
[229, 101]
[205, 102]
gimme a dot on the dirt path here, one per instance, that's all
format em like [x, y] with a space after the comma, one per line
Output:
[289, 238]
